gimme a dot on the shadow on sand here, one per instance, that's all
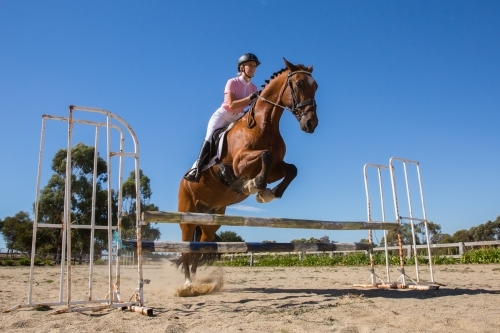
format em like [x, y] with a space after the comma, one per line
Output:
[370, 293]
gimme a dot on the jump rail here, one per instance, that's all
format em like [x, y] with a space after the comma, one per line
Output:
[269, 222]
[235, 247]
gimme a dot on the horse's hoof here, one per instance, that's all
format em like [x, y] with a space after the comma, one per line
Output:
[264, 196]
[187, 283]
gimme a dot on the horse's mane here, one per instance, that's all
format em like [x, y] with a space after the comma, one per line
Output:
[275, 74]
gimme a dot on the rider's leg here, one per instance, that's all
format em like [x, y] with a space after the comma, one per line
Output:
[219, 119]
[194, 174]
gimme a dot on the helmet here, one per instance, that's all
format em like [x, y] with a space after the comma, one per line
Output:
[247, 57]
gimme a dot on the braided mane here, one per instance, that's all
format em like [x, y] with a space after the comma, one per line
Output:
[266, 82]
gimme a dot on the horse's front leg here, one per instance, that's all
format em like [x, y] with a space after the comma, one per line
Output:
[187, 236]
[207, 235]
[283, 170]
[252, 161]
[195, 257]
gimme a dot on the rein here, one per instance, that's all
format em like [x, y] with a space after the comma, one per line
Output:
[295, 105]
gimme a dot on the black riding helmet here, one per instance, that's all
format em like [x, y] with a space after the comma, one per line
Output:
[247, 57]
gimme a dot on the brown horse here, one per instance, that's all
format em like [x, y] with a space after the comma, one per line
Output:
[252, 155]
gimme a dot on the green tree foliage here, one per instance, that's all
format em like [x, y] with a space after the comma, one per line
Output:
[268, 241]
[51, 205]
[298, 241]
[303, 240]
[325, 239]
[434, 231]
[229, 236]
[445, 238]
[484, 232]
[392, 236]
[129, 207]
[17, 232]
[461, 236]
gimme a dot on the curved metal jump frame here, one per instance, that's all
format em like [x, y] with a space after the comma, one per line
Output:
[113, 299]
[402, 279]
[400, 218]
[374, 277]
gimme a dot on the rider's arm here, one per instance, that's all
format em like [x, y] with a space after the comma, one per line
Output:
[234, 104]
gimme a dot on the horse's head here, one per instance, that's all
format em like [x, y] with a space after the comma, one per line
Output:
[299, 96]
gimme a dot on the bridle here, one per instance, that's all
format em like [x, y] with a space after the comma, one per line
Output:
[296, 106]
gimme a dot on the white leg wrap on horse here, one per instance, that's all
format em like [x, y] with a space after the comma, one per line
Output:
[250, 187]
[187, 283]
[265, 196]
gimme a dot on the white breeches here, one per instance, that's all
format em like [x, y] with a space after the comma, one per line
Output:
[221, 118]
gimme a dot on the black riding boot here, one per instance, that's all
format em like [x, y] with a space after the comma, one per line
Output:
[194, 174]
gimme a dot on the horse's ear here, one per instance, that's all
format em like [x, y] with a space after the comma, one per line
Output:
[289, 65]
[310, 69]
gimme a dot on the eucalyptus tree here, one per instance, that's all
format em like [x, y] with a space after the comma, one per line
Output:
[129, 207]
[229, 236]
[17, 232]
[51, 205]
[488, 231]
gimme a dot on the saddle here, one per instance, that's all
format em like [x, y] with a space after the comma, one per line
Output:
[216, 142]
[225, 173]
[216, 139]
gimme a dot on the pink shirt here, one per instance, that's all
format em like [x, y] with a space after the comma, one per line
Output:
[241, 89]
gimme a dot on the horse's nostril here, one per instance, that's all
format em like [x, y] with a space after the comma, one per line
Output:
[306, 127]
[313, 123]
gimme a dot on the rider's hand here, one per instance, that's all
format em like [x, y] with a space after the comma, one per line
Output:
[254, 95]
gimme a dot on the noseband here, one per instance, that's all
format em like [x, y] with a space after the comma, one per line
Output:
[296, 106]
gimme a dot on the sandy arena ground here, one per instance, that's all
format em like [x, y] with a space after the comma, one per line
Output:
[255, 299]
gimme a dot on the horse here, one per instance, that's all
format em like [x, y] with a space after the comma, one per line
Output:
[252, 155]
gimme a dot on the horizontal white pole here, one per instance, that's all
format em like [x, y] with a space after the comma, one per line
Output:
[235, 247]
[268, 222]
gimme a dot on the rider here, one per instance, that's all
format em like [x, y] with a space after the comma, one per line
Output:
[239, 93]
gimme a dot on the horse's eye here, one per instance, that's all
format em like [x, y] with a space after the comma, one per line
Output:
[299, 84]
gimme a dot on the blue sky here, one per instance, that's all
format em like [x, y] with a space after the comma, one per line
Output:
[413, 79]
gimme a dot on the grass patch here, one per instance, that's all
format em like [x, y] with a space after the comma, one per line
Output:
[42, 308]
[477, 256]
[482, 256]
[8, 262]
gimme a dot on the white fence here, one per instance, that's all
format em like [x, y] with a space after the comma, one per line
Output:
[461, 246]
